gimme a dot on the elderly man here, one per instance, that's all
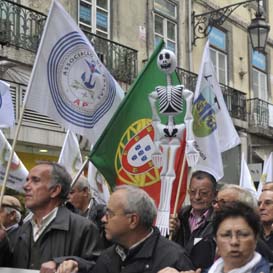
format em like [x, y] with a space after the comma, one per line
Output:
[138, 246]
[54, 231]
[80, 197]
[193, 224]
[265, 204]
[10, 212]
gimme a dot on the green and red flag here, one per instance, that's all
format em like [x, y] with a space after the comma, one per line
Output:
[123, 152]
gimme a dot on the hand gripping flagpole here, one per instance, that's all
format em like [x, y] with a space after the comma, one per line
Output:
[21, 114]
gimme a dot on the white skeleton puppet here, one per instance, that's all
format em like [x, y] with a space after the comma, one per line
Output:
[167, 137]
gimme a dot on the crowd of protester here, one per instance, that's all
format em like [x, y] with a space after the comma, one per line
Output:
[224, 229]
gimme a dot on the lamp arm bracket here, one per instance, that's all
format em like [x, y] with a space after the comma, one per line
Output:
[203, 22]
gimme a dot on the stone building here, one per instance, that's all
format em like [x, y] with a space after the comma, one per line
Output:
[124, 34]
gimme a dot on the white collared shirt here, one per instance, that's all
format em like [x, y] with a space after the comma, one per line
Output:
[38, 229]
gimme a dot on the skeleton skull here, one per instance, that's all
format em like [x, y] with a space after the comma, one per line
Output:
[166, 61]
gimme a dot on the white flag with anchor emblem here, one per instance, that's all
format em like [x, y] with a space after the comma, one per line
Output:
[69, 83]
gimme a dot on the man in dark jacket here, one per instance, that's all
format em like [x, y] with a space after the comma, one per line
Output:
[53, 232]
[81, 198]
[192, 228]
[138, 246]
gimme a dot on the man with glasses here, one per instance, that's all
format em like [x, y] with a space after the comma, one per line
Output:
[53, 231]
[193, 225]
[138, 245]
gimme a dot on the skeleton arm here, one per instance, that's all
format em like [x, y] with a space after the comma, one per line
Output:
[156, 122]
[191, 152]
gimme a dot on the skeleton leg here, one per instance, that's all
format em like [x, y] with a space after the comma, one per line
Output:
[167, 176]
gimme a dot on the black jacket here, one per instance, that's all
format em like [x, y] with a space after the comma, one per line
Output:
[152, 255]
[202, 252]
[67, 235]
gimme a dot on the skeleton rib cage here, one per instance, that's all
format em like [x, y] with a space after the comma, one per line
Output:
[170, 99]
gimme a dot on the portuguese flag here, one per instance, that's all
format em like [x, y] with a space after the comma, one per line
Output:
[123, 152]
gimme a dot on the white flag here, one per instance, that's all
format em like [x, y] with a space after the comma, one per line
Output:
[6, 106]
[18, 172]
[69, 83]
[246, 180]
[70, 155]
[267, 175]
[98, 184]
[213, 128]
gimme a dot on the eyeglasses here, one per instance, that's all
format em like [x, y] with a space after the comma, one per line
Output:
[110, 214]
[201, 193]
[239, 235]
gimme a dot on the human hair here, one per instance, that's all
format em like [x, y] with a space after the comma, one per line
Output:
[82, 183]
[237, 209]
[199, 175]
[244, 195]
[140, 202]
[59, 176]
[18, 215]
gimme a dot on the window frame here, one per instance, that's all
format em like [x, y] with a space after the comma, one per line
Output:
[166, 19]
[260, 94]
[93, 26]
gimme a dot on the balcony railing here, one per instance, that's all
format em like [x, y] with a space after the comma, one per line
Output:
[187, 78]
[120, 60]
[22, 27]
[260, 114]
[235, 99]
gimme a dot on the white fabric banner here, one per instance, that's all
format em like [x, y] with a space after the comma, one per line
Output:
[17, 270]
[70, 156]
[213, 128]
[246, 180]
[6, 106]
[99, 186]
[68, 82]
[18, 172]
[267, 175]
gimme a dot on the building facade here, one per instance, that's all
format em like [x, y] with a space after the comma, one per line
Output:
[124, 34]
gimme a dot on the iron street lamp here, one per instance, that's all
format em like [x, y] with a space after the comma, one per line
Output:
[258, 29]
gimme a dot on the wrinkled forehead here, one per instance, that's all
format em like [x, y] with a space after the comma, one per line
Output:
[41, 170]
[117, 200]
[266, 195]
[201, 184]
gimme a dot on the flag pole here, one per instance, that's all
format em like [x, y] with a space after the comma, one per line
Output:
[178, 191]
[76, 177]
[11, 154]
[21, 114]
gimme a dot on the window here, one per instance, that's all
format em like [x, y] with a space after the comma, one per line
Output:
[218, 53]
[165, 23]
[94, 16]
[259, 106]
[259, 76]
